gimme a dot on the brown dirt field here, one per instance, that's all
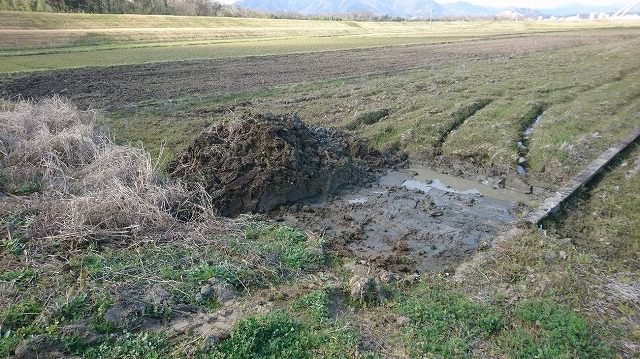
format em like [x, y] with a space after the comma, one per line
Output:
[116, 88]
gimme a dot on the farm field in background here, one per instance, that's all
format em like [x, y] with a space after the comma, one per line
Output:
[99, 259]
[47, 41]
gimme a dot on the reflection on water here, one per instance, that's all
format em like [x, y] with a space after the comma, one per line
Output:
[435, 183]
[523, 146]
[359, 200]
[424, 179]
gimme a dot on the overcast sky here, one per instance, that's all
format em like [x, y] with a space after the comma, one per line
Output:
[519, 3]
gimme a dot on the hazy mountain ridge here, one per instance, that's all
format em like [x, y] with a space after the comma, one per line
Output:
[414, 8]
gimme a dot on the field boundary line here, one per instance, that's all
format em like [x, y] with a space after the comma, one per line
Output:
[549, 206]
[553, 203]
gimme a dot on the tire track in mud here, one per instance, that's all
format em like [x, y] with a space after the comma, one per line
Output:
[120, 87]
[460, 116]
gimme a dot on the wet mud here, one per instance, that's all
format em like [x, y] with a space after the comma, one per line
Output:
[365, 203]
[409, 220]
[259, 162]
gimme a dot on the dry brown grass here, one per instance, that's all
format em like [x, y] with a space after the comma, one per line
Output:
[90, 188]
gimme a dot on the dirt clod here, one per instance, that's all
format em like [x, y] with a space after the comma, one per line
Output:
[125, 314]
[365, 289]
[40, 346]
[258, 163]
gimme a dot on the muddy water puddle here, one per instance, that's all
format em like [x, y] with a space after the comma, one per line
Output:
[523, 145]
[409, 220]
[425, 179]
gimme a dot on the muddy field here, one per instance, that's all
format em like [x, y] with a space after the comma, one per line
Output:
[120, 87]
[402, 221]
[365, 203]
[407, 223]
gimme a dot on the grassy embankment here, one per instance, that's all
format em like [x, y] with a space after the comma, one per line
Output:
[572, 293]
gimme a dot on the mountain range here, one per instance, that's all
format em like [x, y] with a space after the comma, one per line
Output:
[413, 8]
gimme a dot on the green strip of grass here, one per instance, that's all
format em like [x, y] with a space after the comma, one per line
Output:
[157, 52]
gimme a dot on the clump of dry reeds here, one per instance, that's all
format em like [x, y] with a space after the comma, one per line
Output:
[91, 188]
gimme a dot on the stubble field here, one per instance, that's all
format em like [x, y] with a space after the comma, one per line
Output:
[100, 262]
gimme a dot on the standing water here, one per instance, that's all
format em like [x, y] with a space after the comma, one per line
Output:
[523, 144]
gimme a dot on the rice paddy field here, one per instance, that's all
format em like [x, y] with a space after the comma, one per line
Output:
[98, 259]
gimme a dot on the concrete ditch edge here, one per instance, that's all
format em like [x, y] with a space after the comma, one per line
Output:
[553, 203]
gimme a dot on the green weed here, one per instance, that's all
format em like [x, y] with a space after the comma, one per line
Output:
[204, 271]
[97, 265]
[553, 332]
[25, 189]
[20, 315]
[274, 335]
[289, 235]
[16, 230]
[293, 247]
[17, 322]
[71, 308]
[278, 335]
[127, 345]
[21, 275]
[447, 324]
[3, 174]
[315, 303]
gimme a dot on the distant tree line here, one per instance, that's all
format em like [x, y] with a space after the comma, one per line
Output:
[150, 7]
[174, 7]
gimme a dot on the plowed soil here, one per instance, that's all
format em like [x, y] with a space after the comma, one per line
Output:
[118, 87]
[258, 163]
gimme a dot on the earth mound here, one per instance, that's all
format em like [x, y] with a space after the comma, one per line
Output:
[260, 162]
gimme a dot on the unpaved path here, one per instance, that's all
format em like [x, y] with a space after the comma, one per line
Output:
[118, 87]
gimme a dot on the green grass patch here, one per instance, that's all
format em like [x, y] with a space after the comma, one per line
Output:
[315, 303]
[20, 315]
[279, 335]
[554, 332]
[21, 275]
[444, 323]
[447, 324]
[272, 335]
[17, 228]
[122, 345]
[296, 249]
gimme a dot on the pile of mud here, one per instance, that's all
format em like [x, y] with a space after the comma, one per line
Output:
[258, 163]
